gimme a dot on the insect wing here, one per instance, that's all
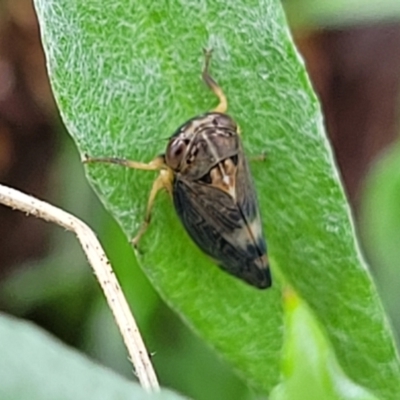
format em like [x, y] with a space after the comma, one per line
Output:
[227, 230]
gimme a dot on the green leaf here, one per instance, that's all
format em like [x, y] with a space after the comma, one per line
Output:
[339, 13]
[381, 226]
[309, 364]
[35, 366]
[126, 76]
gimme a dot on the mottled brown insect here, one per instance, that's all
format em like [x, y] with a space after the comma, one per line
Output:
[206, 172]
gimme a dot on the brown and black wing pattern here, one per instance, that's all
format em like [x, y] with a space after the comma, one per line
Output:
[230, 232]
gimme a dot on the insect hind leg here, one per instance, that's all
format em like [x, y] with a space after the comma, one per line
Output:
[208, 79]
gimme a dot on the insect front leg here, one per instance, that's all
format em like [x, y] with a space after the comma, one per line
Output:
[153, 165]
[163, 181]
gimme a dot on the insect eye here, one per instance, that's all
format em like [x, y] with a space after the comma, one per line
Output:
[175, 151]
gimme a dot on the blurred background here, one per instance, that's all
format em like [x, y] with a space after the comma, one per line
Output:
[352, 52]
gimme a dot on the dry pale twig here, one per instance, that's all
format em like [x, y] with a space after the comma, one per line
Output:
[103, 271]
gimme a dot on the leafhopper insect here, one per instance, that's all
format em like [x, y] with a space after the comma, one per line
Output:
[207, 174]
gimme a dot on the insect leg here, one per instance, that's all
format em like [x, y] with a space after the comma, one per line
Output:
[163, 181]
[153, 165]
[223, 103]
[260, 157]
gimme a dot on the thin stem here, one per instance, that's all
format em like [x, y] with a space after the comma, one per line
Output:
[103, 271]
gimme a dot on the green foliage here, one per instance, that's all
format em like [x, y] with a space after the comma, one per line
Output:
[48, 370]
[381, 227]
[126, 76]
[338, 13]
[62, 295]
[310, 369]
